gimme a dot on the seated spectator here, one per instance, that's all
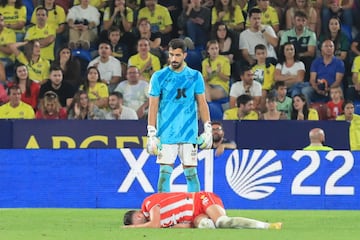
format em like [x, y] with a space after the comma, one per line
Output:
[15, 108]
[247, 86]
[118, 14]
[306, 7]
[340, 40]
[257, 34]
[7, 37]
[228, 13]
[290, 70]
[263, 73]
[220, 143]
[337, 8]
[144, 31]
[121, 49]
[354, 120]
[146, 62]
[269, 15]
[2, 73]
[244, 111]
[116, 109]
[50, 107]
[135, 92]
[83, 21]
[82, 109]
[194, 22]
[175, 8]
[14, 13]
[97, 91]
[326, 71]
[301, 110]
[44, 33]
[216, 72]
[29, 89]
[272, 113]
[70, 67]
[63, 90]
[336, 102]
[353, 92]
[109, 67]
[160, 19]
[3, 95]
[355, 46]
[227, 45]
[283, 102]
[38, 67]
[304, 40]
[56, 19]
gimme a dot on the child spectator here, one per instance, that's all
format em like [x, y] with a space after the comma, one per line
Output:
[283, 102]
[263, 73]
[335, 104]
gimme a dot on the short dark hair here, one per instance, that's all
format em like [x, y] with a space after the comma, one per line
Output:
[254, 10]
[113, 29]
[128, 216]
[243, 99]
[300, 14]
[244, 69]
[13, 87]
[178, 43]
[55, 67]
[260, 47]
[279, 84]
[117, 94]
[42, 8]
[107, 42]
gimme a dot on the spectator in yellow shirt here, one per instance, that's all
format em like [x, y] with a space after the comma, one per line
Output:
[301, 110]
[244, 111]
[15, 108]
[354, 119]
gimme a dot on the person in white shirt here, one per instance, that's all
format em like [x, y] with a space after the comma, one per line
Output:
[135, 91]
[117, 110]
[82, 20]
[108, 66]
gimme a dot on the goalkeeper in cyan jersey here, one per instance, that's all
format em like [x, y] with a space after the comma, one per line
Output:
[175, 94]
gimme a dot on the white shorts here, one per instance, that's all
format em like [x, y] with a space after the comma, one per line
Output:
[187, 153]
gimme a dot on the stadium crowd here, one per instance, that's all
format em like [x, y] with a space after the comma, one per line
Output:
[260, 59]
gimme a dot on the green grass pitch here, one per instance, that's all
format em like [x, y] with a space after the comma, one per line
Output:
[105, 224]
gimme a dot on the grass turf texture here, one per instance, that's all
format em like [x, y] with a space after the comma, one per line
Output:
[105, 224]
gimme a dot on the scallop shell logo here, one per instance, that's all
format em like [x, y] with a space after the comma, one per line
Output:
[254, 175]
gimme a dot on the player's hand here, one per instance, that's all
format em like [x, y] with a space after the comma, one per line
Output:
[153, 143]
[205, 140]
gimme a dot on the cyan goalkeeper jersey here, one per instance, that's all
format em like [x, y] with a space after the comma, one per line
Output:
[177, 120]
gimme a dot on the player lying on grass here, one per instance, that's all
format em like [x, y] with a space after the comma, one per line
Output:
[187, 210]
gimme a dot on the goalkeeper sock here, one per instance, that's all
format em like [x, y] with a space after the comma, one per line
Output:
[164, 178]
[192, 179]
[240, 222]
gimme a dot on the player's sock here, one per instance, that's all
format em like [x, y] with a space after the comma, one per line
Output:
[164, 178]
[240, 222]
[206, 223]
[192, 179]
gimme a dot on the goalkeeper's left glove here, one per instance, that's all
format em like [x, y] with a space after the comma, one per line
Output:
[205, 140]
[153, 143]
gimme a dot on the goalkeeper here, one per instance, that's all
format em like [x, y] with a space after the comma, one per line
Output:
[176, 92]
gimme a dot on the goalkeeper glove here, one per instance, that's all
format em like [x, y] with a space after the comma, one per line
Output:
[153, 143]
[205, 140]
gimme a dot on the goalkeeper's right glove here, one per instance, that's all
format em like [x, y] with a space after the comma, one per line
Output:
[205, 140]
[153, 143]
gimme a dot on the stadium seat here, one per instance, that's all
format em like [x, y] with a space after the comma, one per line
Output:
[194, 59]
[84, 57]
[216, 111]
[321, 108]
[357, 107]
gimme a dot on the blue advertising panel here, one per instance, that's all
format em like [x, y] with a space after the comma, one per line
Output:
[122, 178]
[280, 135]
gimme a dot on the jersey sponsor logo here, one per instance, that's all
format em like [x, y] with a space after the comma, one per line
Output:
[181, 93]
[252, 174]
